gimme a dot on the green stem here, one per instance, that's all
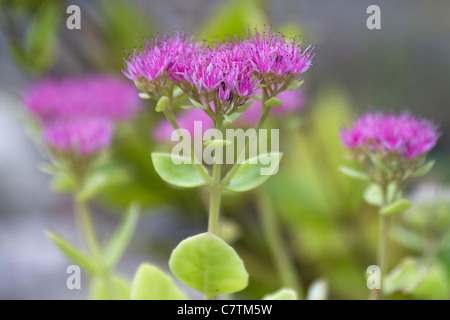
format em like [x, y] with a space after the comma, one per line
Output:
[383, 253]
[281, 257]
[90, 236]
[264, 114]
[88, 229]
[215, 196]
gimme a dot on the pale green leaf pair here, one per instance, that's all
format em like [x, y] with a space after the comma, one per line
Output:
[250, 174]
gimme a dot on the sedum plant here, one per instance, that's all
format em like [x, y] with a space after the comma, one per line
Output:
[77, 119]
[392, 150]
[221, 81]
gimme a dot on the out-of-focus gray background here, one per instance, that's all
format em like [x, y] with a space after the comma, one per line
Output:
[405, 65]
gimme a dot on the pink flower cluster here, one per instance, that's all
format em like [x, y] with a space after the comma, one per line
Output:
[81, 136]
[230, 71]
[77, 114]
[404, 134]
[97, 96]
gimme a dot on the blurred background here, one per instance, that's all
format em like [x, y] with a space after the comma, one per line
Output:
[328, 230]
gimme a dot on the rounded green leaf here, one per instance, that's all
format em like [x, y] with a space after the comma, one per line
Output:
[143, 95]
[273, 102]
[246, 106]
[398, 206]
[374, 195]
[151, 283]
[181, 175]
[208, 264]
[294, 85]
[282, 294]
[406, 277]
[162, 104]
[116, 289]
[254, 172]
[177, 92]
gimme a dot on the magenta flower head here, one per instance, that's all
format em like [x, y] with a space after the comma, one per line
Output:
[162, 58]
[80, 136]
[275, 59]
[96, 96]
[404, 135]
[222, 72]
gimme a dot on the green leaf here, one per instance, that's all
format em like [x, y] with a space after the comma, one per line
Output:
[116, 288]
[392, 192]
[354, 173]
[408, 238]
[151, 283]
[282, 294]
[249, 174]
[64, 181]
[436, 284]
[181, 175]
[82, 260]
[318, 290]
[208, 264]
[246, 106]
[257, 97]
[398, 206]
[217, 143]
[423, 170]
[405, 278]
[374, 195]
[197, 104]
[143, 95]
[94, 183]
[294, 85]
[162, 104]
[122, 236]
[41, 36]
[378, 163]
[187, 107]
[231, 118]
[177, 92]
[140, 86]
[273, 102]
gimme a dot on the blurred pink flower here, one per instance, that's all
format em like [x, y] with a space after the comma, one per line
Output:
[82, 135]
[97, 96]
[404, 134]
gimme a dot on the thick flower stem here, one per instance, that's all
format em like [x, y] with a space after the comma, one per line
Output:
[215, 196]
[283, 262]
[382, 251]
